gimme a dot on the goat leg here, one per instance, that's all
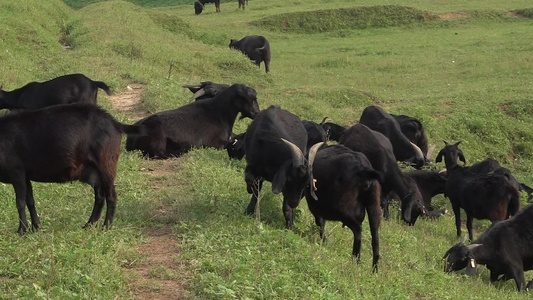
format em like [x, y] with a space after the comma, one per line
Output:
[97, 208]
[20, 192]
[111, 202]
[469, 220]
[30, 203]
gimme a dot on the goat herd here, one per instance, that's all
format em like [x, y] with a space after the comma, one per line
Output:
[57, 133]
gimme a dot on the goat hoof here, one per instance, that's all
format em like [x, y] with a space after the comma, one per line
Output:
[87, 225]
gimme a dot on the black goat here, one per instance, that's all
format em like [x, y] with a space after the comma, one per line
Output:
[205, 90]
[481, 195]
[206, 123]
[414, 131]
[275, 144]
[378, 150]
[235, 146]
[491, 165]
[346, 186]
[425, 184]
[333, 131]
[61, 143]
[256, 47]
[506, 248]
[315, 133]
[67, 89]
[199, 5]
[404, 150]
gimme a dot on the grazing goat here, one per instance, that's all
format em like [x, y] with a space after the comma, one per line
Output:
[506, 248]
[205, 90]
[256, 47]
[404, 150]
[346, 186]
[206, 123]
[425, 184]
[414, 131]
[481, 195]
[378, 150]
[67, 89]
[315, 134]
[61, 143]
[275, 146]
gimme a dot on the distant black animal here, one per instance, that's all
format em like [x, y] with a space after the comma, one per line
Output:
[67, 89]
[235, 146]
[414, 131]
[404, 150]
[256, 47]
[61, 143]
[378, 149]
[206, 123]
[275, 146]
[241, 3]
[481, 195]
[199, 5]
[205, 89]
[346, 187]
[506, 249]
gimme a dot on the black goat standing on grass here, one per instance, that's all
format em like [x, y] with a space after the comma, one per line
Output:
[256, 47]
[206, 123]
[199, 5]
[481, 195]
[346, 187]
[404, 150]
[275, 146]
[378, 149]
[59, 144]
[491, 165]
[67, 89]
[506, 248]
[425, 184]
[315, 134]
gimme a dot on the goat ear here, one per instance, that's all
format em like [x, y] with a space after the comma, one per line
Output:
[457, 144]
[462, 157]
[278, 182]
[439, 156]
[445, 143]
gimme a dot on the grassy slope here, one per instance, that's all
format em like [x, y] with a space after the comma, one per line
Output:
[466, 79]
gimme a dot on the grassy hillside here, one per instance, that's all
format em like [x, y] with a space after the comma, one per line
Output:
[463, 68]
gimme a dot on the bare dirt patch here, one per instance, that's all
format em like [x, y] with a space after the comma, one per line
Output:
[453, 16]
[162, 274]
[129, 101]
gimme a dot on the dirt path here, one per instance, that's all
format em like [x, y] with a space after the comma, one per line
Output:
[160, 273]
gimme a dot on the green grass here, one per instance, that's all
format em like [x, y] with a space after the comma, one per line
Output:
[466, 79]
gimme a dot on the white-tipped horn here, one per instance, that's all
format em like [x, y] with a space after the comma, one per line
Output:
[198, 94]
[312, 153]
[419, 155]
[296, 153]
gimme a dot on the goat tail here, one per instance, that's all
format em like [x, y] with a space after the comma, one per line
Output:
[103, 86]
